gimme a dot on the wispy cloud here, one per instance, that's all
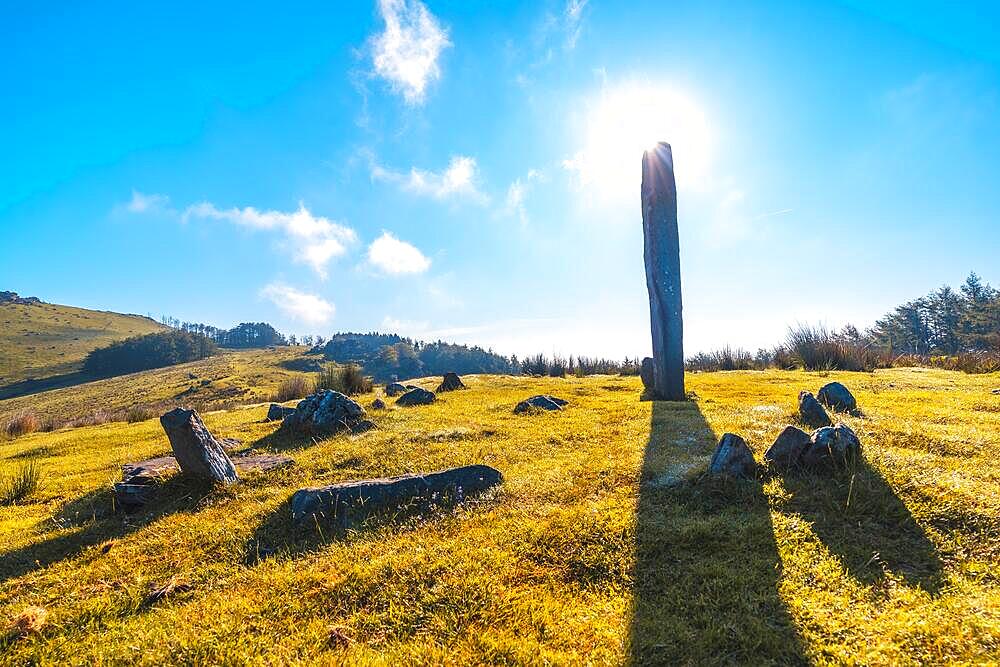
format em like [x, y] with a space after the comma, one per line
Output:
[315, 240]
[394, 257]
[518, 192]
[142, 202]
[308, 308]
[406, 53]
[573, 21]
[459, 180]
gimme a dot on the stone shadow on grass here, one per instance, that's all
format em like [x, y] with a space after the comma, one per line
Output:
[707, 566]
[93, 519]
[858, 516]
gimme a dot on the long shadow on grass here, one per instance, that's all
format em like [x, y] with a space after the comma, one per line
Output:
[707, 566]
[92, 519]
[858, 517]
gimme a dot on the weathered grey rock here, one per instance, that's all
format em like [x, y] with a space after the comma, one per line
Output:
[363, 426]
[416, 396]
[197, 451]
[395, 389]
[325, 412]
[540, 402]
[832, 447]
[663, 272]
[837, 397]
[787, 450]
[378, 404]
[646, 374]
[733, 458]
[140, 480]
[276, 413]
[451, 382]
[811, 412]
[345, 503]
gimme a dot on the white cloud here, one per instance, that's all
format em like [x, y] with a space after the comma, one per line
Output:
[406, 53]
[459, 180]
[308, 308]
[315, 240]
[404, 327]
[518, 192]
[395, 257]
[146, 203]
[572, 18]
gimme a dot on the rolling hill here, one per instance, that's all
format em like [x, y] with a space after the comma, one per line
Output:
[43, 341]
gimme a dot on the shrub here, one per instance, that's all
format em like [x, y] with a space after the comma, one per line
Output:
[347, 379]
[557, 368]
[725, 359]
[139, 413]
[298, 386]
[817, 349]
[25, 482]
[21, 423]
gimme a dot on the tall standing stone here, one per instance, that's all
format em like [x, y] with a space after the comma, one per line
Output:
[663, 271]
[197, 451]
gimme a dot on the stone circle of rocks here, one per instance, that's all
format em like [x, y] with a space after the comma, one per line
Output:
[837, 397]
[812, 412]
[451, 382]
[540, 402]
[827, 448]
[416, 396]
[275, 412]
[347, 502]
[395, 389]
[786, 452]
[325, 412]
[733, 458]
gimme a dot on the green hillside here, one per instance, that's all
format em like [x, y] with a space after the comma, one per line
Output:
[43, 340]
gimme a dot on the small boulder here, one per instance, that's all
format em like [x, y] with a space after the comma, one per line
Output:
[646, 373]
[832, 446]
[837, 397]
[197, 451]
[395, 389]
[363, 426]
[811, 412]
[416, 396]
[325, 412]
[378, 404]
[540, 402]
[275, 413]
[996, 392]
[733, 458]
[787, 450]
[451, 382]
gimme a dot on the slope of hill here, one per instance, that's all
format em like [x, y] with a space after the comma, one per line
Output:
[44, 340]
[226, 379]
[604, 545]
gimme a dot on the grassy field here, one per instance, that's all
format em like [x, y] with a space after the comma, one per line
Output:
[604, 545]
[229, 378]
[45, 340]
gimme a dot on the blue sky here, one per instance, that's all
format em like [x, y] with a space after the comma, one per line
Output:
[470, 171]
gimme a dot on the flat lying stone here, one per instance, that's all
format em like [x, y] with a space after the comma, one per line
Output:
[348, 501]
[416, 396]
[540, 402]
[140, 480]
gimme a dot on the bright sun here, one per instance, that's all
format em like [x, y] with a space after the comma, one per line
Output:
[631, 118]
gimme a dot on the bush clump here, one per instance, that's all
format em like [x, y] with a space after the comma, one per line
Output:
[295, 387]
[155, 350]
[25, 481]
[348, 379]
[21, 423]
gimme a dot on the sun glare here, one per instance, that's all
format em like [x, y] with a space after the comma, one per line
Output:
[631, 118]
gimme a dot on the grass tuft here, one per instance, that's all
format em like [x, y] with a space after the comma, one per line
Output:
[349, 379]
[24, 483]
[295, 387]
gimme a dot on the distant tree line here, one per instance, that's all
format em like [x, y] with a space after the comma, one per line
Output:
[242, 336]
[558, 366]
[948, 328]
[155, 350]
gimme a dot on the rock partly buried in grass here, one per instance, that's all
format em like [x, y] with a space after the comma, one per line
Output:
[275, 413]
[140, 480]
[733, 458]
[347, 502]
[837, 397]
[831, 448]
[787, 450]
[197, 451]
[323, 413]
[811, 412]
[451, 382]
[416, 396]
[378, 404]
[646, 373]
[540, 402]
[395, 389]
